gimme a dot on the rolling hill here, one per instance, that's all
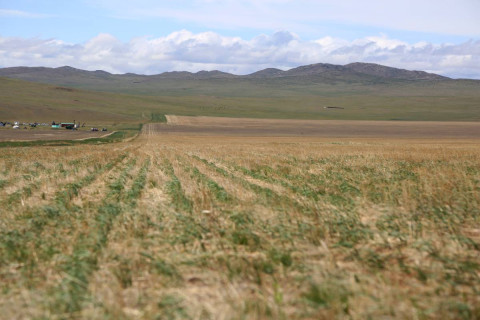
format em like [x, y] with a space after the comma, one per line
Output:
[319, 91]
[364, 73]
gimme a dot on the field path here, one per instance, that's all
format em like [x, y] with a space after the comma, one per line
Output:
[46, 134]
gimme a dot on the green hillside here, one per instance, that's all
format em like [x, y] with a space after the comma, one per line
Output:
[133, 98]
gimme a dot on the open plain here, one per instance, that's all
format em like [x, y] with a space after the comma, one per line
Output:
[244, 174]
[182, 226]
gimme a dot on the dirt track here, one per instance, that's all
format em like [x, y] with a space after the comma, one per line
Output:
[8, 134]
[211, 126]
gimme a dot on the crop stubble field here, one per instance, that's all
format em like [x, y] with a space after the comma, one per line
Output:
[231, 227]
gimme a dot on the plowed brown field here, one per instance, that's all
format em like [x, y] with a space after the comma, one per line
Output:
[208, 126]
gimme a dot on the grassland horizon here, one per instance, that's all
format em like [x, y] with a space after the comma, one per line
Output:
[244, 200]
[303, 97]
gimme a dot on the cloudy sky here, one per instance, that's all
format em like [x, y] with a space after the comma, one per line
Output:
[241, 36]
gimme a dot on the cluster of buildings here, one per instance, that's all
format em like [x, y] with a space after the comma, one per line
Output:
[54, 125]
[16, 124]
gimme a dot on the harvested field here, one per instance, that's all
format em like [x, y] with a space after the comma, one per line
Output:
[223, 227]
[185, 125]
[46, 134]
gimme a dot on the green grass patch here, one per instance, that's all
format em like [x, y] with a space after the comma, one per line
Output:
[114, 137]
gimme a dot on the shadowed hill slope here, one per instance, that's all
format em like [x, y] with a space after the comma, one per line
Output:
[221, 83]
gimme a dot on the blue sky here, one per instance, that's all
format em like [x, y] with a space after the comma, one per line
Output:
[146, 36]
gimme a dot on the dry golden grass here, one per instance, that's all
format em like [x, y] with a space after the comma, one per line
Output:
[183, 227]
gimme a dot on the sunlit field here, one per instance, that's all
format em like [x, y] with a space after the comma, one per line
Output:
[184, 227]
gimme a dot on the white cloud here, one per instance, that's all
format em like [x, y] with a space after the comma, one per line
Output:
[184, 50]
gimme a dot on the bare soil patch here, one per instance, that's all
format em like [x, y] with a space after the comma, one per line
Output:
[9, 134]
[188, 125]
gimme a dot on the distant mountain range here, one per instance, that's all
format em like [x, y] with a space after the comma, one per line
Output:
[315, 79]
[357, 71]
[318, 91]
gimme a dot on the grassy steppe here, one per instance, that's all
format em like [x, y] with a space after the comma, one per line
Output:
[452, 100]
[229, 228]
[116, 136]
